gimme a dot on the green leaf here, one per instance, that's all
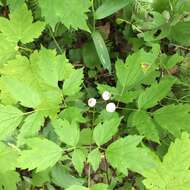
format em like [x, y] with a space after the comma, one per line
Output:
[99, 186]
[73, 114]
[62, 178]
[90, 58]
[8, 158]
[124, 154]
[174, 118]
[20, 91]
[77, 187]
[86, 136]
[102, 50]
[94, 158]
[64, 68]
[72, 85]
[68, 133]
[109, 7]
[30, 128]
[145, 126]
[29, 75]
[173, 172]
[78, 159]
[104, 132]
[45, 65]
[66, 12]
[180, 33]
[19, 27]
[14, 4]
[173, 60]
[136, 68]
[8, 49]
[40, 178]
[151, 96]
[10, 118]
[41, 155]
[9, 180]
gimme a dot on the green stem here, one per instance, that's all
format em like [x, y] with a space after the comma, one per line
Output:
[94, 16]
[55, 41]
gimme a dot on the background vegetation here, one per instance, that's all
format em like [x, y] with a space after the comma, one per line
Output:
[94, 94]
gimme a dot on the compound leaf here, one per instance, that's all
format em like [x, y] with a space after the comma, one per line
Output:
[173, 172]
[19, 27]
[71, 14]
[145, 126]
[42, 154]
[10, 118]
[8, 158]
[151, 96]
[94, 158]
[174, 118]
[124, 154]
[30, 128]
[68, 133]
[72, 85]
[78, 159]
[104, 132]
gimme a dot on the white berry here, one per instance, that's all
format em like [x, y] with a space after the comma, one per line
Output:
[106, 95]
[91, 102]
[111, 107]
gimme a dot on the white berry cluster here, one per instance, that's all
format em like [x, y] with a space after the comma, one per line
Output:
[110, 107]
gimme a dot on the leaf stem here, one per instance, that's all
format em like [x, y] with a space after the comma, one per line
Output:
[94, 16]
[55, 41]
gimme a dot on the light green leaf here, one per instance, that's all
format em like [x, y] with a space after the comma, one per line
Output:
[173, 173]
[137, 67]
[40, 178]
[68, 133]
[10, 118]
[30, 128]
[14, 4]
[94, 158]
[41, 155]
[99, 186]
[145, 126]
[30, 76]
[124, 154]
[8, 158]
[64, 68]
[151, 96]
[72, 85]
[66, 12]
[22, 92]
[45, 66]
[8, 49]
[9, 180]
[102, 50]
[62, 178]
[73, 114]
[104, 132]
[173, 60]
[78, 159]
[109, 7]
[77, 187]
[19, 27]
[174, 118]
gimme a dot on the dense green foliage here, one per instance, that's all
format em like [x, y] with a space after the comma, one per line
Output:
[95, 94]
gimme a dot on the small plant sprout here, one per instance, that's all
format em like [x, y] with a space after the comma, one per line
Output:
[106, 95]
[91, 102]
[111, 107]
